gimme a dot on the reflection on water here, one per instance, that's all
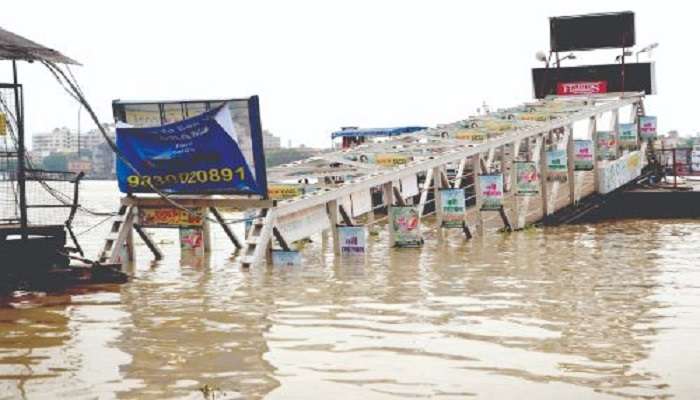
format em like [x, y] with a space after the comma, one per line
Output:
[604, 311]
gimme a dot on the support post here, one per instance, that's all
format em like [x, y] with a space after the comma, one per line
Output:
[332, 209]
[476, 168]
[524, 208]
[398, 198]
[437, 176]
[227, 230]
[388, 193]
[424, 193]
[571, 175]
[593, 134]
[460, 172]
[157, 254]
[280, 239]
[615, 128]
[513, 180]
[543, 180]
[206, 230]
[345, 217]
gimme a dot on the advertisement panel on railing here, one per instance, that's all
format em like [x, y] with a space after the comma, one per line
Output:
[284, 191]
[583, 155]
[695, 158]
[405, 226]
[386, 160]
[471, 135]
[352, 240]
[193, 147]
[620, 172]
[606, 145]
[557, 170]
[361, 202]
[192, 240]
[647, 127]
[491, 188]
[527, 179]
[409, 186]
[170, 217]
[453, 208]
[628, 136]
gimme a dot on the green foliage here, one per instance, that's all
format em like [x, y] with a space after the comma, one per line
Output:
[274, 157]
[55, 162]
[8, 164]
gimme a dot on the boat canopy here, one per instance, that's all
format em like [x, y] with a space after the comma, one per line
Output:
[376, 132]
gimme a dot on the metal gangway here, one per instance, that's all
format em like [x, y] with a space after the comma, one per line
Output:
[335, 186]
[360, 185]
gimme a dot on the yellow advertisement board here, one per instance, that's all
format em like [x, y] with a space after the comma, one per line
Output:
[170, 217]
[3, 124]
[391, 159]
[282, 192]
[470, 134]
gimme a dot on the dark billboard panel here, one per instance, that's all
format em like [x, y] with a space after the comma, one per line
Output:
[592, 31]
[594, 79]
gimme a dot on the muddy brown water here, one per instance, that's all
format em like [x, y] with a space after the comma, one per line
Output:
[602, 311]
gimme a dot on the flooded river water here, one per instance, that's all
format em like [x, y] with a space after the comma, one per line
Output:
[601, 311]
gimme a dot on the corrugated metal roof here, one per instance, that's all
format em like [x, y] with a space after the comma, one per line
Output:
[16, 47]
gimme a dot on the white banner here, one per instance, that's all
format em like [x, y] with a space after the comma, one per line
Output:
[304, 223]
[409, 186]
[361, 202]
[619, 172]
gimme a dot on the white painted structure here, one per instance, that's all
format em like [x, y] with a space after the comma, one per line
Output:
[337, 187]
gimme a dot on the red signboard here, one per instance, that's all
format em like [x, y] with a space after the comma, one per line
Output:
[574, 88]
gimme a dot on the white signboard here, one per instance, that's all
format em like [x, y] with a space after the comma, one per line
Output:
[361, 202]
[619, 172]
[695, 158]
[286, 258]
[352, 240]
[303, 223]
[409, 186]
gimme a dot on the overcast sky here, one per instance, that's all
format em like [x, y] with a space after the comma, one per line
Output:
[320, 65]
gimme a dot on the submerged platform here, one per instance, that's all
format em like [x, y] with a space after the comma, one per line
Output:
[41, 261]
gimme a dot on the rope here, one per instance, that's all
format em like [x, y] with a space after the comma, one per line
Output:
[95, 225]
[73, 89]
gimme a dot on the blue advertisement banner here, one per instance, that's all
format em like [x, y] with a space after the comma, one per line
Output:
[195, 155]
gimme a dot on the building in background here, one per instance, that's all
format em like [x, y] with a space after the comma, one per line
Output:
[271, 141]
[65, 149]
[67, 141]
[59, 140]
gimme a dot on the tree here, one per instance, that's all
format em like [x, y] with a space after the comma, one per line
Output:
[55, 162]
